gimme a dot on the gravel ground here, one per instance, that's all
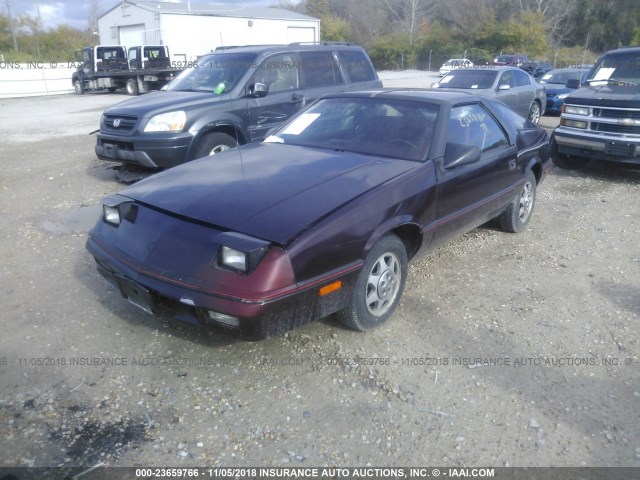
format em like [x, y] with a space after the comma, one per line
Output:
[506, 350]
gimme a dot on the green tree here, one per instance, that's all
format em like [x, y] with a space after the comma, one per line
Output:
[335, 29]
[527, 35]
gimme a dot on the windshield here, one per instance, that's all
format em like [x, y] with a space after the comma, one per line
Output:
[623, 68]
[217, 74]
[562, 77]
[384, 127]
[469, 79]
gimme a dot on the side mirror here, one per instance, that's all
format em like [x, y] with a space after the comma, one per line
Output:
[573, 83]
[460, 154]
[504, 87]
[258, 90]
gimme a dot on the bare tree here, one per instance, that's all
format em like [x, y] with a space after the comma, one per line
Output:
[409, 14]
[93, 15]
[471, 17]
[555, 14]
[369, 20]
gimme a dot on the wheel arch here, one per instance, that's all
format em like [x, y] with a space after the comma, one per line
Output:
[405, 229]
[232, 129]
[535, 166]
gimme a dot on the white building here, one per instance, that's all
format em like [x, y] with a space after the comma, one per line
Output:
[191, 30]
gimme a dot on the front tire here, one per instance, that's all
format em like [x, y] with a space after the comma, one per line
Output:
[78, 87]
[213, 143]
[516, 216]
[379, 286]
[534, 112]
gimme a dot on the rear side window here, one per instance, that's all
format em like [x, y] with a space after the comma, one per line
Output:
[320, 69]
[473, 125]
[357, 65]
[522, 79]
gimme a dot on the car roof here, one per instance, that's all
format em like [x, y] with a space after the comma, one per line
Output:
[272, 48]
[439, 96]
[624, 50]
[561, 70]
[492, 68]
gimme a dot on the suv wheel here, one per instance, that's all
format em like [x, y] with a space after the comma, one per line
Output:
[213, 143]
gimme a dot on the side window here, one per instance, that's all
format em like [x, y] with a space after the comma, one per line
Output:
[279, 73]
[507, 79]
[320, 69]
[522, 79]
[472, 124]
[357, 66]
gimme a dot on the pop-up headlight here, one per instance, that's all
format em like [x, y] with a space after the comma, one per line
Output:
[115, 208]
[240, 253]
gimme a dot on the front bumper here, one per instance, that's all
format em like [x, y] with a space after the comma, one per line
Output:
[592, 145]
[152, 151]
[259, 318]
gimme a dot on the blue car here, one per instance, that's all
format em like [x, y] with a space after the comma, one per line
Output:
[555, 81]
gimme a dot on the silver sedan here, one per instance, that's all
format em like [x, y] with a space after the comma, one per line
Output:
[512, 86]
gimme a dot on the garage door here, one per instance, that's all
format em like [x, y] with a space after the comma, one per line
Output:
[132, 35]
[301, 34]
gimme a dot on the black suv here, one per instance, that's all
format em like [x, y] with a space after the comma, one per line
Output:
[231, 96]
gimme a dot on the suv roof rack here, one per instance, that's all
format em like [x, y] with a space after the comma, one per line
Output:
[321, 43]
[229, 47]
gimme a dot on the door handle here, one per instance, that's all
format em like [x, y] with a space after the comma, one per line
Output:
[297, 98]
[512, 164]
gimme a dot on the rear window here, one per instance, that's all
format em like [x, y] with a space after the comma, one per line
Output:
[357, 65]
[320, 69]
[471, 79]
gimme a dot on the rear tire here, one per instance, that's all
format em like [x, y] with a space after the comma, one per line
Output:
[516, 216]
[534, 112]
[379, 286]
[213, 143]
[132, 86]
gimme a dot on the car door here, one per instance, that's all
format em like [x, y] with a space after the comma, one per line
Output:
[469, 195]
[507, 92]
[280, 74]
[526, 91]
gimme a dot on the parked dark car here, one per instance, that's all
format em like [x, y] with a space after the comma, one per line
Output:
[232, 96]
[536, 68]
[510, 85]
[512, 60]
[323, 216]
[555, 84]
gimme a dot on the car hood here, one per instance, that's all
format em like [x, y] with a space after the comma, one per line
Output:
[607, 96]
[271, 191]
[556, 89]
[162, 100]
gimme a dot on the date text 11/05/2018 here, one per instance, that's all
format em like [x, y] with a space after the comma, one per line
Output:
[314, 472]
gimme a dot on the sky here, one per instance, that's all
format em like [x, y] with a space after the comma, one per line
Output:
[76, 12]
